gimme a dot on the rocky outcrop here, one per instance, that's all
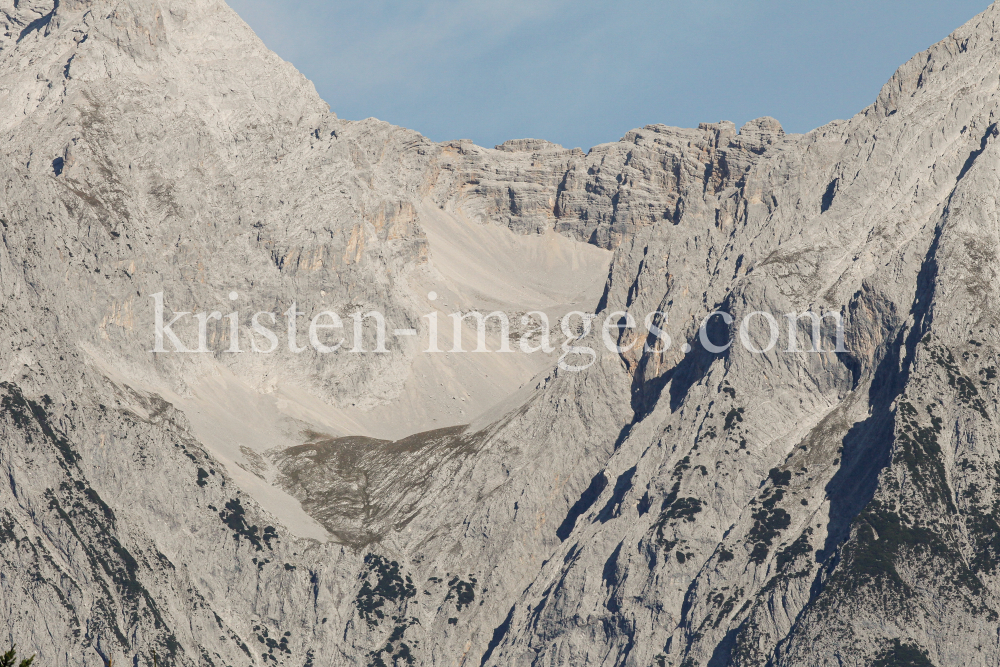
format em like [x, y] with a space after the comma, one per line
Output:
[651, 177]
[679, 507]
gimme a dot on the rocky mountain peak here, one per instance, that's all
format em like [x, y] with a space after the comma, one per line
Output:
[830, 498]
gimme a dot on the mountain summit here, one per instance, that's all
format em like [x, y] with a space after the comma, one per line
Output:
[195, 498]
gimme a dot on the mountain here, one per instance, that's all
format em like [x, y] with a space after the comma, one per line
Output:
[687, 506]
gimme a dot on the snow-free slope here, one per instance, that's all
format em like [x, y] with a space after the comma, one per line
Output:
[683, 508]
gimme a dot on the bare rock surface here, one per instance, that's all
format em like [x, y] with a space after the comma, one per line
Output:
[403, 508]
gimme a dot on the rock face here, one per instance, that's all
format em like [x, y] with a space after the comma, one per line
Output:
[659, 508]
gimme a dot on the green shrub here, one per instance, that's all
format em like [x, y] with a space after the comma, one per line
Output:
[9, 659]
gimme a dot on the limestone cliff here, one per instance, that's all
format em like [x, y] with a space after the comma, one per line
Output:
[677, 508]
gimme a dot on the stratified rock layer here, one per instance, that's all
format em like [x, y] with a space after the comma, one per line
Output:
[675, 508]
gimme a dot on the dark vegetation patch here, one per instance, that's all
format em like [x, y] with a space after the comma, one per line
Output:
[25, 413]
[463, 592]
[121, 601]
[384, 583]
[9, 659]
[911, 531]
[899, 654]
[674, 509]
[271, 644]
[769, 520]
[967, 392]
[682, 509]
[779, 478]
[385, 586]
[234, 516]
[726, 606]
[733, 417]
[396, 651]
[684, 557]
[984, 528]
[799, 547]
[918, 449]
[885, 538]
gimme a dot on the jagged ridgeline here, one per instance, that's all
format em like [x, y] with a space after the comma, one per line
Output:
[698, 505]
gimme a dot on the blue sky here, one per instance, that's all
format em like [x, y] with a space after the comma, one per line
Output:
[583, 72]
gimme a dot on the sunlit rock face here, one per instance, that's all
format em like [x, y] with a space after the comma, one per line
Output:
[693, 505]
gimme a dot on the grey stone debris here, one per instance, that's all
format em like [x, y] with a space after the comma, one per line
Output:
[784, 508]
